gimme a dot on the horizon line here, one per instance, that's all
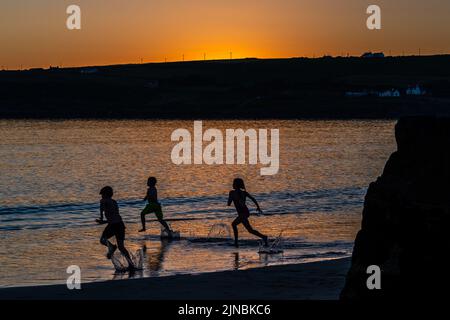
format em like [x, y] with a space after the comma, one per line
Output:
[3, 69]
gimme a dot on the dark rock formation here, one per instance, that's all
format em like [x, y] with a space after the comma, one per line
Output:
[406, 218]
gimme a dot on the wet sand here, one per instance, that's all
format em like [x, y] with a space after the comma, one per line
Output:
[310, 281]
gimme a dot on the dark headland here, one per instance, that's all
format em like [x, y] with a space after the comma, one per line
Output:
[323, 88]
[406, 218]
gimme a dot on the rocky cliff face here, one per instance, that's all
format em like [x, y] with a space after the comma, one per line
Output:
[406, 217]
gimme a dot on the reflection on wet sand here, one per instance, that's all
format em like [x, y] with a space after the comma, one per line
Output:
[156, 259]
[49, 196]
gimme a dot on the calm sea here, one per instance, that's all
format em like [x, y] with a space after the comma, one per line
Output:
[51, 173]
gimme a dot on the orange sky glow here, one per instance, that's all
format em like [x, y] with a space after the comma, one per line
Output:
[34, 33]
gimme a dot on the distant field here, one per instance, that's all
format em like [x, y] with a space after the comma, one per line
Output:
[249, 88]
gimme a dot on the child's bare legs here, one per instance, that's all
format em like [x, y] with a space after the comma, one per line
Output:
[165, 225]
[249, 228]
[156, 208]
[234, 224]
[126, 254]
[111, 247]
[161, 221]
[143, 213]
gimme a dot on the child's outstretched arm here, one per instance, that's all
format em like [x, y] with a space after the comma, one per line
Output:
[254, 201]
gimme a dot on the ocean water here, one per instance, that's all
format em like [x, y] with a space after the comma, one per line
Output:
[51, 173]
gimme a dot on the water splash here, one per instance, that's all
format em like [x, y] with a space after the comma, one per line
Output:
[219, 231]
[120, 262]
[274, 247]
[173, 235]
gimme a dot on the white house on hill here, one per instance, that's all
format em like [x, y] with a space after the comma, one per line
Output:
[415, 91]
[389, 93]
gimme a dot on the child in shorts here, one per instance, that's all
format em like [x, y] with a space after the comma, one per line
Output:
[110, 209]
[153, 206]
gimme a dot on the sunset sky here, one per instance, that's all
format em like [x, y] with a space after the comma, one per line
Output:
[33, 33]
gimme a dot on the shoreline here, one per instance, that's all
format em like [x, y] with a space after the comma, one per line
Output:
[322, 280]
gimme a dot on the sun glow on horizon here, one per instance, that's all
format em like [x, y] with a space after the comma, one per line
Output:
[33, 34]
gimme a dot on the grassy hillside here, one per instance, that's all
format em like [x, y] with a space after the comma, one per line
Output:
[250, 88]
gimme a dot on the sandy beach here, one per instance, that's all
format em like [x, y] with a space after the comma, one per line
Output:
[316, 281]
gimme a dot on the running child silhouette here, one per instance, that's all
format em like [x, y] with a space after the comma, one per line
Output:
[110, 209]
[153, 206]
[238, 196]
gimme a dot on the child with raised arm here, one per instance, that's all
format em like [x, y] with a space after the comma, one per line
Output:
[238, 196]
[110, 209]
[153, 206]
